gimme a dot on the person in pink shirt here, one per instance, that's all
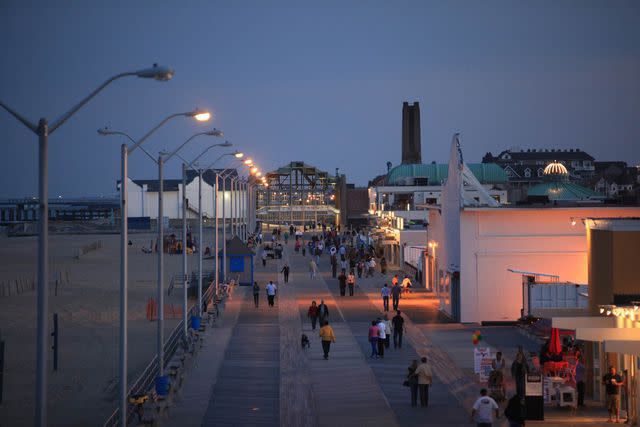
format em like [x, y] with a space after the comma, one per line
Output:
[374, 333]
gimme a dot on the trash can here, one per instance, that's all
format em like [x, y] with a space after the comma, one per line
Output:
[195, 322]
[162, 385]
[534, 400]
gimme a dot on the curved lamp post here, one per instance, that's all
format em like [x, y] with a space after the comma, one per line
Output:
[237, 155]
[125, 151]
[43, 129]
[186, 166]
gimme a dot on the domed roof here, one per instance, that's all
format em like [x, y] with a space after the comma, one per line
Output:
[555, 168]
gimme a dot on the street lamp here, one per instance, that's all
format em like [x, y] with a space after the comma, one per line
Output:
[162, 159]
[125, 151]
[42, 129]
[186, 166]
[237, 155]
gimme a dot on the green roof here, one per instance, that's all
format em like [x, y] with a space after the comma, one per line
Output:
[486, 173]
[564, 191]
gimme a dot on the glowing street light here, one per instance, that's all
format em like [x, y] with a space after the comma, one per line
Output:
[202, 116]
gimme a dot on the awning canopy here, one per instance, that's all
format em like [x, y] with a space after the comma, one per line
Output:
[608, 334]
[583, 322]
[623, 347]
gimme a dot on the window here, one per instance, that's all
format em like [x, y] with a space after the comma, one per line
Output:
[527, 173]
[236, 264]
[540, 172]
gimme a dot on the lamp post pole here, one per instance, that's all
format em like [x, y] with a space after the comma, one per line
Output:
[224, 229]
[159, 292]
[233, 209]
[185, 274]
[215, 215]
[200, 243]
[162, 158]
[185, 280]
[124, 268]
[42, 130]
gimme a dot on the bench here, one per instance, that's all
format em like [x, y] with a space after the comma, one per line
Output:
[153, 407]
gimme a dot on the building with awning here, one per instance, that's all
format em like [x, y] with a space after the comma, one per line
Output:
[611, 324]
[473, 244]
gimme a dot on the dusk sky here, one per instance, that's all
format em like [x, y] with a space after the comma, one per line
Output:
[322, 82]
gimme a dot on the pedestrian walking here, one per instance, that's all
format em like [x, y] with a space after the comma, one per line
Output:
[256, 293]
[412, 382]
[515, 411]
[383, 266]
[580, 372]
[334, 265]
[313, 268]
[519, 370]
[285, 272]
[384, 292]
[327, 337]
[313, 314]
[406, 284]
[425, 376]
[396, 290]
[264, 257]
[612, 382]
[343, 264]
[372, 266]
[342, 283]
[323, 311]
[483, 410]
[360, 267]
[382, 336]
[398, 329]
[272, 290]
[374, 333]
[304, 249]
[388, 329]
[498, 364]
[351, 282]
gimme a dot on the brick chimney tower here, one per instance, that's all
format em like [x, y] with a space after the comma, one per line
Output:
[411, 145]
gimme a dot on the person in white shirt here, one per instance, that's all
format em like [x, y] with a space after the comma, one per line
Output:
[271, 292]
[483, 410]
[382, 336]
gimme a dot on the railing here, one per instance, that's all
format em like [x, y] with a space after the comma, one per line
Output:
[146, 379]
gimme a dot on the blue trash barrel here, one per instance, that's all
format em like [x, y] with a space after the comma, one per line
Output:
[162, 385]
[195, 322]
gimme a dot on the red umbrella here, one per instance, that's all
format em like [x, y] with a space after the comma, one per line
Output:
[555, 346]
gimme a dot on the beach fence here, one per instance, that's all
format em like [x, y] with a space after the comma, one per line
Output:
[82, 251]
[19, 285]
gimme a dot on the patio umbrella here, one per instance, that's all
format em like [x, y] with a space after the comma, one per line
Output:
[555, 346]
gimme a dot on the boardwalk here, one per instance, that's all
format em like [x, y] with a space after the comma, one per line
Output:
[259, 375]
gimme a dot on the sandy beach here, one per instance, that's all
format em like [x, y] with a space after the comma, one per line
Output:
[83, 390]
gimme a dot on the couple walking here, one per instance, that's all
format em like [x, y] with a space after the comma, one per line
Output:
[321, 312]
[271, 290]
[419, 379]
[379, 333]
[393, 292]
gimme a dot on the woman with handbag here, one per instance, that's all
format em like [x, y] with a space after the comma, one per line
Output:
[412, 382]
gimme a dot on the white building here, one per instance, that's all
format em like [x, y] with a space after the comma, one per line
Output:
[472, 247]
[143, 197]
